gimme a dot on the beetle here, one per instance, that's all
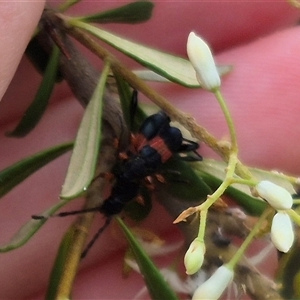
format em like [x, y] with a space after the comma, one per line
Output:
[154, 144]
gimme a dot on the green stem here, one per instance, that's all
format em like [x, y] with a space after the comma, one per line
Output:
[221, 189]
[240, 252]
[203, 217]
[249, 182]
[294, 216]
[223, 105]
[78, 30]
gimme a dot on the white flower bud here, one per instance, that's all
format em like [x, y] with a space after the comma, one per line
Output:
[214, 287]
[203, 62]
[194, 256]
[282, 233]
[275, 195]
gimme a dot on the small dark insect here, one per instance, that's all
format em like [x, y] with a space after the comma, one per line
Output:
[155, 143]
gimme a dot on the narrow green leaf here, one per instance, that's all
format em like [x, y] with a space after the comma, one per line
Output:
[139, 211]
[149, 75]
[125, 94]
[29, 229]
[58, 266]
[86, 149]
[172, 67]
[37, 108]
[67, 4]
[288, 273]
[132, 13]
[16, 173]
[39, 57]
[156, 284]
[133, 115]
[182, 182]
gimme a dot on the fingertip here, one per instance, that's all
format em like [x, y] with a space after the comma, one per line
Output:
[18, 21]
[262, 92]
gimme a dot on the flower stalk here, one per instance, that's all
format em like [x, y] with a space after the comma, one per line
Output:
[242, 249]
[194, 257]
[230, 124]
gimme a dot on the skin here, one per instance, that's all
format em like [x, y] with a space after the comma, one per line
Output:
[262, 93]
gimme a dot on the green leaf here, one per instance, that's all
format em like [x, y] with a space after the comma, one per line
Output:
[29, 229]
[133, 117]
[37, 108]
[86, 149]
[156, 284]
[39, 57]
[139, 211]
[149, 75]
[125, 94]
[132, 13]
[16, 173]
[288, 273]
[172, 67]
[67, 4]
[182, 182]
[58, 266]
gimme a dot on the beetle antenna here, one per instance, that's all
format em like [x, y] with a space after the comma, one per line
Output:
[95, 237]
[67, 213]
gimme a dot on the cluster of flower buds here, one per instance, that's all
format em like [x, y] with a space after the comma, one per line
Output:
[282, 233]
[207, 75]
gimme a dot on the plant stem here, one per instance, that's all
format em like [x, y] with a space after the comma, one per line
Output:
[294, 216]
[203, 217]
[186, 120]
[241, 250]
[72, 27]
[226, 112]
[211, 199]
[249, 182]
[81, 228]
